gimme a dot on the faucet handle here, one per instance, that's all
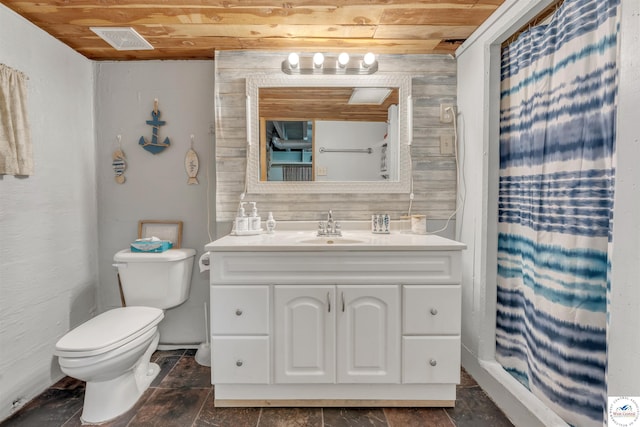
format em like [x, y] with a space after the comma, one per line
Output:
[338, 228]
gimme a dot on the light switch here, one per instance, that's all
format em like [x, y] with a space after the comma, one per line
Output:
[446, 145]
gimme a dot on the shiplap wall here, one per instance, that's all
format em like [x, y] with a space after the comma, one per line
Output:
[433, 83]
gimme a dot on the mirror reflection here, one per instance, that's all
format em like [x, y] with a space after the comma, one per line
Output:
[275, 102]
[330, 134]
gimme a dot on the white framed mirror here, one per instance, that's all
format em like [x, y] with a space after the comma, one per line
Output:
[353, 153]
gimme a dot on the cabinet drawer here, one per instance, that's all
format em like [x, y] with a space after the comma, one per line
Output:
[431, 310]
[430, 360]
[239, 310]
[240, 360]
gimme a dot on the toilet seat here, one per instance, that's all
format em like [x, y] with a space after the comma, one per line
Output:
[107, 331]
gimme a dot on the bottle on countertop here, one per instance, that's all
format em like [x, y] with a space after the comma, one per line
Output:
[255, 221]
[242, 221]
[271, 223]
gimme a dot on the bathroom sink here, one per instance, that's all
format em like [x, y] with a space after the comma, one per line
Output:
[337, 240]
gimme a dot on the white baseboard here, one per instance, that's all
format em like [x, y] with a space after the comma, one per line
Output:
[165, 347]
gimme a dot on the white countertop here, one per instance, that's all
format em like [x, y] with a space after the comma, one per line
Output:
[287, 239]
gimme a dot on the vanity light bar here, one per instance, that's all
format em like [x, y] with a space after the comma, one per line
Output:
[330, 64]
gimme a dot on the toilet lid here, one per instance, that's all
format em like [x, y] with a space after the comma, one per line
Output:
[109, 330]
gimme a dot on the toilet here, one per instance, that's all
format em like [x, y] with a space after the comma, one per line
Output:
[112, 351]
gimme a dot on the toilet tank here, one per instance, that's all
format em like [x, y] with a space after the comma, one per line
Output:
[160, 280]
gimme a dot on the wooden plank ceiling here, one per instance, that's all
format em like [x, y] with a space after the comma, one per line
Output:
[327, 103]
[195, 29]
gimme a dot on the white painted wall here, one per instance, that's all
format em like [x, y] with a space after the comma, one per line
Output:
[353, 135]
[156, 185]
[48, 221]
[478, 80]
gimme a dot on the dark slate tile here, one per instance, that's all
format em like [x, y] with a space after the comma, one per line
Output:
[166, 365]
[75, 421]
[291, 417]
[170, 408]
[166, 353]
[51, 409]
[229, 417]
[475, 409]
[354, 417]
[68, 383]
[466, 380]
[210, 416]
[190, 352]
[423, 417]
[187, 373]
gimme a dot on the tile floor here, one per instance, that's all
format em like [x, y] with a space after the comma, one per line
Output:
[182, 396]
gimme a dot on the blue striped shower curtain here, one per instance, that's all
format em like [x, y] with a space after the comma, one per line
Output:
[557, 144]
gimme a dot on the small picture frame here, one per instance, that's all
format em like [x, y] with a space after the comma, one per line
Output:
[164, 230]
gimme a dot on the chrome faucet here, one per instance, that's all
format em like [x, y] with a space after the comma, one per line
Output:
[330, 227]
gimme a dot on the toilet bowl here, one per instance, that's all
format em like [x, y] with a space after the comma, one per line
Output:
[112, 351]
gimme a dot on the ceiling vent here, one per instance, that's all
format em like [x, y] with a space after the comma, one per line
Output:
[369, 95]
[122, 38]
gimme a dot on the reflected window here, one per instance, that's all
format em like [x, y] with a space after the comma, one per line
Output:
[287, 147]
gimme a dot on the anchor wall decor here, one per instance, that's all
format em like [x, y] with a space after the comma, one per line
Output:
[155, 146]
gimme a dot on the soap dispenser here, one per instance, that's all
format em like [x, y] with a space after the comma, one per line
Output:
[254, 219]
[242, 221]
[271, 223]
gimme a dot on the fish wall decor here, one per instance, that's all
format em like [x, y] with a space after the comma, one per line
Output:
[155, 146]
[192, 164]
[119, 162]
[119, 166]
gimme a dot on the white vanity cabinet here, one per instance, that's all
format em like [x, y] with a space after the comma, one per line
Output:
[336, 334]
[357, 325]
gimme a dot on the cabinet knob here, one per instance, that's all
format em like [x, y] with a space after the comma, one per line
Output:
[238, 312]
[433, 362]
[434, 311]
[238, 363]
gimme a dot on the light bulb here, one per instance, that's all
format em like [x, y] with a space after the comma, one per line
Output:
[343, 59]
[318, 59]
[294, 59]
[369, 59]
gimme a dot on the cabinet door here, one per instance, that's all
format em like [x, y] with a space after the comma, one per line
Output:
[239, 310]
[431, 310]
[304, 334]
[431, 360]
[368, 337]
[240, 360]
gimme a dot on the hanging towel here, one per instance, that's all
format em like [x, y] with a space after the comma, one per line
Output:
[16, 157]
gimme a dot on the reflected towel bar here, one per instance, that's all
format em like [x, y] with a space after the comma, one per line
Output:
[346, 150]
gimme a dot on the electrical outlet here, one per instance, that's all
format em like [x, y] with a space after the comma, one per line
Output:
[321, 171]
[446, 113]
[446, 145]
